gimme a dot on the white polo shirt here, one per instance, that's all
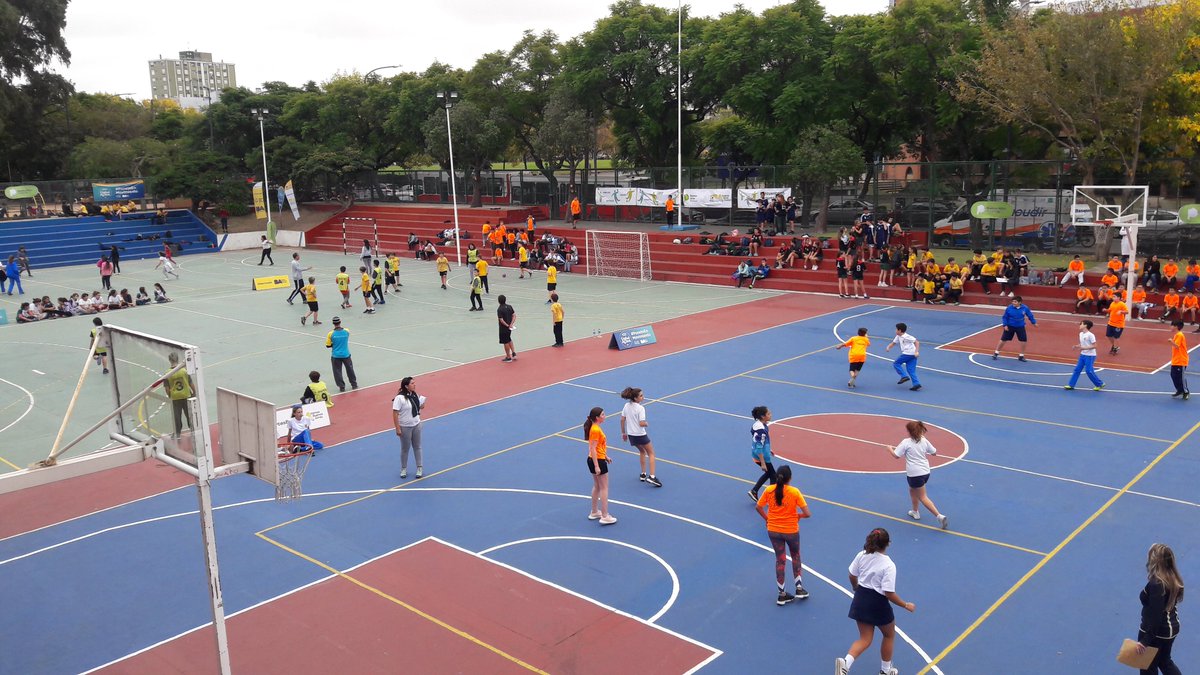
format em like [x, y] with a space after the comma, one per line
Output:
[875, 571]
[1087, 343]
[916, 456]
[908, 343]
[634, 414]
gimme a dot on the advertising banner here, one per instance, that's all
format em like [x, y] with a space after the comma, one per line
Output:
[21, 191]
[632, 337]
[113, 192]
[291, 199]
[748, 197]
[317, 413]
[260, 202]
[692, 198]
[270, 283]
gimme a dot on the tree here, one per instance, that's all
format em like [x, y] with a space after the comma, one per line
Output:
[822, 156]
[479, 138]
[1084, 80]
[567, 134]
[730, 141]
[201, 175]
[107, 158]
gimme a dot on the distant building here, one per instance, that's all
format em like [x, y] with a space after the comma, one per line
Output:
[193, 80]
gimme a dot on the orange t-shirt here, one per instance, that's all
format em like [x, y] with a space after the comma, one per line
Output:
[1075, 265]
[1115, 265]
[1083, 294]
[596, 435]
[1139, 295]
[1109, 279]
[529, 223]
[785, 517]
[512, 238]
[575, 207]
[1179, 350]
[486, 229]
[1116, 314]
[670, 204]
[1171, 299]
[1170, 270]
[1104, 293]
[1193, 270]
[858, 348]
[1190, 301]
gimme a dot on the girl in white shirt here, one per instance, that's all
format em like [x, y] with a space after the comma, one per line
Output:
[916, 450]
[299, 431]
[406, 417]
[633, 429]
[873, 578]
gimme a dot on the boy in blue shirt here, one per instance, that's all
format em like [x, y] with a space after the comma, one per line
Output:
[1013, 323]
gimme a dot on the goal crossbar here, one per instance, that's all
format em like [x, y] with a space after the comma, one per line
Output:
[358, 221]
[615, 254]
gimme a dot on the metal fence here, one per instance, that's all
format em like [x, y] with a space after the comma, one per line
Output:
[61, 196]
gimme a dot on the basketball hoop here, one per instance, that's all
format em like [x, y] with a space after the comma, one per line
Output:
[293, 462]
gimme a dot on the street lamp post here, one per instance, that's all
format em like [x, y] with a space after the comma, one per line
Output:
[260, 114]
[369, 72]
[448, 98]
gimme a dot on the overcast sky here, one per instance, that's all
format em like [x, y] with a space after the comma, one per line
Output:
[111, 41]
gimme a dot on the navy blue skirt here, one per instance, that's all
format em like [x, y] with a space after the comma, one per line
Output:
[871, 607]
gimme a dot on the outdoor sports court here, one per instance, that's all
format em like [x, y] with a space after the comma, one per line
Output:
[489, 564]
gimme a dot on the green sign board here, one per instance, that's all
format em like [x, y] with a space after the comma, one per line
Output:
[1189, 214]
[991, 210]
[21, 191]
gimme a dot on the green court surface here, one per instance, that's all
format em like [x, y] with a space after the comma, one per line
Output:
[253, 342]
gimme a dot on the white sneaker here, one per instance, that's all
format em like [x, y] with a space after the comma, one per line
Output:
[840, 667]
[608, 520]
[594, 515]
[943, 521]
[914, 515]
[889, 671]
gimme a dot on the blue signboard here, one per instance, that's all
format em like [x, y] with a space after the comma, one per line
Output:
[632, 337]
[114, 192]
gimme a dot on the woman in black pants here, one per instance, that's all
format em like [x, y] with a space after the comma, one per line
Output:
[115, 256]
[1160, 618]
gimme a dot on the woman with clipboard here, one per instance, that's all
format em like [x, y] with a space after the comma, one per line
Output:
[1160, 617]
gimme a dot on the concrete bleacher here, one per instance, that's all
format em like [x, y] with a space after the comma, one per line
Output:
[669, 261]
[54, 242]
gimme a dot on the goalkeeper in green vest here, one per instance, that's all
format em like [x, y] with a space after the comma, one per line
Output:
[316, 391]
[179, 389]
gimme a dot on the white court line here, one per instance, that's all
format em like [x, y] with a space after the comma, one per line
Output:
[38, 372]
[1081, 482]
[971, 357]
[28, 408]
[1168, 363]
[650, 554]
[968, 336]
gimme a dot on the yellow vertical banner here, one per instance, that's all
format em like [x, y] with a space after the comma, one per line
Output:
[290, 193]
[260, 202]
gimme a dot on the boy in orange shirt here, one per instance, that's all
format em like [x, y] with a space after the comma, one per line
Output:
[1140, 306]
[1179, 360]
[1168, 274]
[1170, 306]
[1116, 321]
[858, 354]
[1110, 279]
[1074, 270]
[1115, 264]
[1104, 297]
[1188, 308]
[1193, 275]
[1084, 301]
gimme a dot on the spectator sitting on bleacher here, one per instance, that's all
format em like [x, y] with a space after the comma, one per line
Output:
[811, 251]
[1104, 298]
[1085, 302]
[786, 257]
[161, 217]
[745, 270]
[1140, 306]
[1170, 306]
[413, 242]
[761, 272]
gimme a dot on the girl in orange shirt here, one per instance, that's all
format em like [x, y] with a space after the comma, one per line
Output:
[1189, 305]
[1168, 274]
[597, 462]
[785, 506]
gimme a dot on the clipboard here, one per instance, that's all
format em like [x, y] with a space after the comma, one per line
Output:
[1128, 655]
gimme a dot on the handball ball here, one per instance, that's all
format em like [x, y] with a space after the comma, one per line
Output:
[504, 275]
[676, 241]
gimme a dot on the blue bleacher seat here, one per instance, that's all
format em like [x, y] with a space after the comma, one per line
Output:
[54, 242]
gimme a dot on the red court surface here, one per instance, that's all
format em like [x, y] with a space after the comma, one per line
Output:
[368, 410]
[855, 443]
[429, 608]
[1144, 345]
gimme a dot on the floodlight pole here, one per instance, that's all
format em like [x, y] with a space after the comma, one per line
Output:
[448, 98]
[679, 114]
[261, 114]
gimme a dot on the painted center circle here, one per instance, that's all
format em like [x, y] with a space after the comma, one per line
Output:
[855, 443]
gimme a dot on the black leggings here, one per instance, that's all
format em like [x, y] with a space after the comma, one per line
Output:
[476, 299]
[483, 280]
[1162, 662]
[181, 409]
[266, 255]
[768, 475]
[297, 289]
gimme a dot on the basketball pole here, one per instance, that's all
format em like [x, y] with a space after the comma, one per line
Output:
[679, 113]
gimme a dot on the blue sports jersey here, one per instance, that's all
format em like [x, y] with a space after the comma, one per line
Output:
[761, 438]
[1015, 316]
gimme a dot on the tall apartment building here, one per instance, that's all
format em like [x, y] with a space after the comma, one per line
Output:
[193, 79]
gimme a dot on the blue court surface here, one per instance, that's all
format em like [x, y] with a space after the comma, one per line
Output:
[1051, 511]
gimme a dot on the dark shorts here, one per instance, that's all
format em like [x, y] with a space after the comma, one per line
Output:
[871, 607]
[857, 276]
[1010, 331]
[505, 336]
[592, 466]
[885, 266]
[841, 274]
[551, 287]
[1113, 332]
[915, 482]
[366, 294]
[524, 264]
[389, 279]
[856, 366]
[644, 439]
[312, 306]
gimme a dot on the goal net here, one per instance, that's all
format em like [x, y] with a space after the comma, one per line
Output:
[624, 255]
[357, 230]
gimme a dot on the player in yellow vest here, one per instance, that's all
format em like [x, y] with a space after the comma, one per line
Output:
[343, 285]
[523, 260]
[179, 389]
[556, 316]
[482, 267]
[366, 290]
[316, 391]
[393, 273]
[443, 268]
[551, 282]
[101, 351]
[310, 297]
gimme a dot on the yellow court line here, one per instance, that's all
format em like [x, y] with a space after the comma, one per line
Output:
[10, 464]
[1061, 545]
[961, 410]
[424, 615]
[830, 502]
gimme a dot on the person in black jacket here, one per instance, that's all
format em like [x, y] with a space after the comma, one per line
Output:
[1160, 601]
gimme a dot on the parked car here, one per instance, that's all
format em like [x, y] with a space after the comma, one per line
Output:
[922, 212]
[847, 211]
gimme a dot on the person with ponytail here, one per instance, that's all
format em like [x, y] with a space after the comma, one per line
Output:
[760, 448]
[785, 506]
[1160, 616]
[873, 578]
[916, 450]
[406, 416]
[597, 463]
[633, 430]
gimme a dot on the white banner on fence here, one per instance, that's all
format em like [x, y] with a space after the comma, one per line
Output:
[693, 198]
